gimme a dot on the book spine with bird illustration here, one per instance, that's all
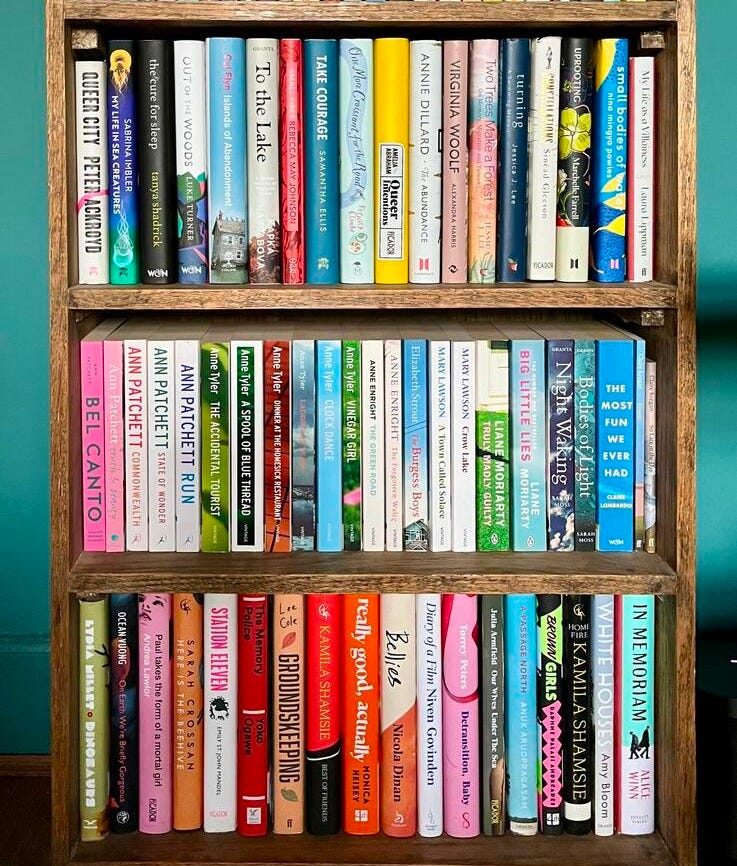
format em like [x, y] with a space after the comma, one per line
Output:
[277, 431]
[292, 161]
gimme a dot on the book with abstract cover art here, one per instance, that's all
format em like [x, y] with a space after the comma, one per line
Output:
[352, 490]
[292, 161]
[304, 482]
[550, 712]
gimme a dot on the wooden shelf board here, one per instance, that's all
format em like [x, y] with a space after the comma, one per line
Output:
[389, 14]
[522, 295]
[377, 572]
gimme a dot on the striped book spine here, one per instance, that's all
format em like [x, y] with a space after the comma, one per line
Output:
[550, 712]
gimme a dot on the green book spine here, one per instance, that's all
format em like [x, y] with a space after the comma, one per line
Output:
[215, 481]
[351, 444]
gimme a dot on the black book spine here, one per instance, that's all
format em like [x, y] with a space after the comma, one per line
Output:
[156, 162]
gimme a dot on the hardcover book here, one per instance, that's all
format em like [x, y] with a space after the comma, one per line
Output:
[329, 446]
[584, 435]
[394, 466]
[187, 445]
[493, 751]
[455, 161]
[372, 444]
[416, 534]
[641, 170]
[561, 503]
[292, 161]
[161, 446]
[214, 371]
[304, 490]
[550, 712]
[429, 715]
[277, 467]
[439, 399]
[136, 445]
[352, 491]
[463, 436]
[602, 674]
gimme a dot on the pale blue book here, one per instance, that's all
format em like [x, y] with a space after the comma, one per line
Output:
[415, 420]
[329, 446]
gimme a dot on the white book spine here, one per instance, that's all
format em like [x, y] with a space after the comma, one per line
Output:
[393, 439]
[543, 152]
[136, 445]
[161, 450]
[373, 485]
[92, 173]
[642, 166]
[603, 709]
[425, 160]
[220, 708]
[429, 717]
[463, 436]
[439, 394]
[187, 447]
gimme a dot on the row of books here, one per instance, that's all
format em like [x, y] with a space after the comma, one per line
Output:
[358, 161]
[260, 438]
[396, 713]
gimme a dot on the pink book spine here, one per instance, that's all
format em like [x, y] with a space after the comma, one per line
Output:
[459, 636]
[292, 161]
[455, 161]
[155, 713]
[114, 446]
[93, 445]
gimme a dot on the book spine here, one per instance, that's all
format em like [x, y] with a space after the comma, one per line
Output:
[439, 397]
[578, 767]
[514, 108]
[584, 399]
[303, 445]
[190, 99]
[416, 533]
[641, 164]
[188, 667]
[288, 764]
[640, 386]
[323, 741]
[322, 185]
[398, 715]
[602, 674]
[459, 625]
[356, 145]
[226, 148]
[262, 114]
[214, 371]
[161, 456]
[123, 643]
[352, 491]
[561, 516]
[372, 444]
[93, 444]
[221, 719]
[292, 161]
[492, 445]
[543, 157]
[463, 435]
[94, 718]
[425, 159]
[253, 715]
[609, 170]
[136, 445]
[635, 737]
[429, 716]
[187, 445]
[93, 264]
[329, 446]
[114, 446]
[155, 715]
[247, 463]
[391, 143]
[394, 465]
[122, 119]
[650, 454]
[277, 480]
[156, 162]
[361, 714]
[493, 751]
[455, 161]
[483, 118]
[550, 712]
[520, 712]
[615, 421]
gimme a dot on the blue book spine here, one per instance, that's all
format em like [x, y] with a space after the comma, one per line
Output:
[615, 423]
[639, 443]
[329, 447]
[584, 395]
[303, 445]
[561, 490]
[520, 661]
[322, 184]
[514, 108]
[609, 161]
[529, 464]
[416, 493]
[226, 146]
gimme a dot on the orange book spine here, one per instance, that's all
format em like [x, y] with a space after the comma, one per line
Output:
[188, 698]
[361, 722]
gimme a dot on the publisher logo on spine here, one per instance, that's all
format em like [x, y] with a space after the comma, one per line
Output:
[391, 201]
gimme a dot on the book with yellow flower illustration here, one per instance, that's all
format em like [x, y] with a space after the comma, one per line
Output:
[609, 161]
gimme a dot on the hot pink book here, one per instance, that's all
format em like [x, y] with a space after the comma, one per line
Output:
[155, 713]
[459, 635]
[455, 161]
[93, 443]
[114, 446]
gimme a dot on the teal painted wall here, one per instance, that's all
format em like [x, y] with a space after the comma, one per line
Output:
[24, 712]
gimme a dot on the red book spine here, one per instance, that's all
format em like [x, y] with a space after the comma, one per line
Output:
[292, 161]
[253, 709]
[277, 489]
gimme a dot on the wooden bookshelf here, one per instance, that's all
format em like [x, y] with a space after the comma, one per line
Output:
[663, 312]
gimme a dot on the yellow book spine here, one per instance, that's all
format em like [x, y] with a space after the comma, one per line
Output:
[391, 130]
